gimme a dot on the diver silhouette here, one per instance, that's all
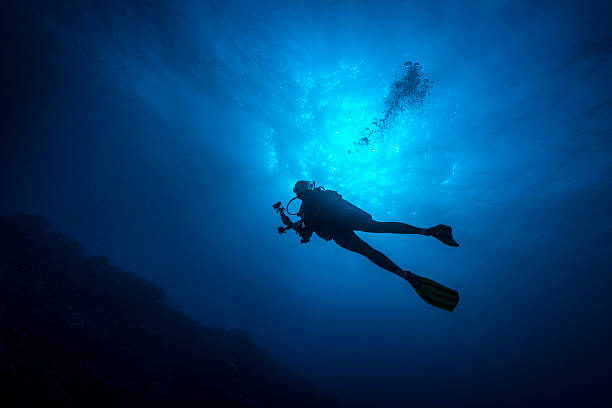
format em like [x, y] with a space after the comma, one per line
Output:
[331, 217]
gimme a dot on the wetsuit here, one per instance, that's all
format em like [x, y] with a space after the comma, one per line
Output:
[331, 217]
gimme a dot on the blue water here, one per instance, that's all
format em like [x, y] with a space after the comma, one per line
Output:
[160, 134]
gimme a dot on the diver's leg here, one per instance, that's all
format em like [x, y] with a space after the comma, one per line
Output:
[442, 232]
[432, 292]
[349, 240]
[390, 227]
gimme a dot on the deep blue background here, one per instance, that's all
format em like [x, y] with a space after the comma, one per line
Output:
[161, 133]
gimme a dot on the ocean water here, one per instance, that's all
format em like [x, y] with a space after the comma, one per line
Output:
[160, 134]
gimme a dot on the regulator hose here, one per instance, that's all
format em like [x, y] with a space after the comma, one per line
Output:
[287, 206]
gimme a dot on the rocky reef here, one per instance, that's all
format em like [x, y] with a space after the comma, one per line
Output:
[77, 331]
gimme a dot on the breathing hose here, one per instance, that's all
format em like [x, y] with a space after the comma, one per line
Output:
[287, 206]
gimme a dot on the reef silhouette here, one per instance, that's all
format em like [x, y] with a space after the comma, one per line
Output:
[76, 331]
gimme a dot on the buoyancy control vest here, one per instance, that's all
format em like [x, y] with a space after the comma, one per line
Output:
[325, 211]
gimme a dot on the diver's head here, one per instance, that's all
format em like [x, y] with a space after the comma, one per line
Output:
[302, 186]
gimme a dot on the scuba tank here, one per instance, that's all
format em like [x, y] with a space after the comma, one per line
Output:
[331, 208]
[325, 211]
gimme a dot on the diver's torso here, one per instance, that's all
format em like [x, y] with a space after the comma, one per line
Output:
[325, 211]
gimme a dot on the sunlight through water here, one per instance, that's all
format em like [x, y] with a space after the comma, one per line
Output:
[333, 110]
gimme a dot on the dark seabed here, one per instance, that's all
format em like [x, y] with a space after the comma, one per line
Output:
[159, 133]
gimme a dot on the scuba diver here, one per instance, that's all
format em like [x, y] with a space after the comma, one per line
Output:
[331, 217]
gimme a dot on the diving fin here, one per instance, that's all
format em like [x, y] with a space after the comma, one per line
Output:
[444, 233]
[433, 293]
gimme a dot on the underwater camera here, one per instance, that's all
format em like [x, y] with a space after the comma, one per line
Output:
[298, 227]
[286, 220]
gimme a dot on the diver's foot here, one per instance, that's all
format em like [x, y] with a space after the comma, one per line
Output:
[444, 233]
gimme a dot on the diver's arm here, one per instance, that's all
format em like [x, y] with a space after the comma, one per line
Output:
[304, 231]
[298, 226]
